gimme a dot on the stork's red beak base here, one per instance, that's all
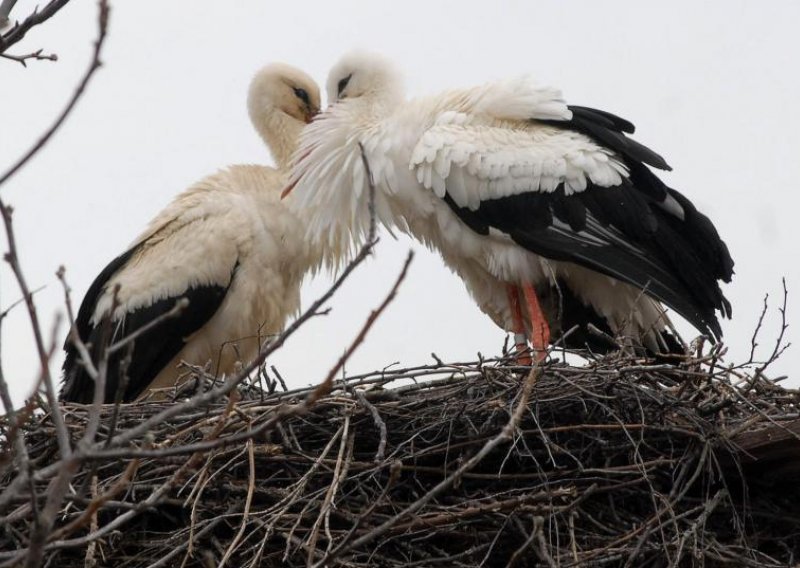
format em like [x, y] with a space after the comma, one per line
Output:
[311, 115]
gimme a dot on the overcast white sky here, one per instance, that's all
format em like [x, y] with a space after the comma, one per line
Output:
[712, 86]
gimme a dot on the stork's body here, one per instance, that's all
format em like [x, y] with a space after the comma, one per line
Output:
[228, 245]
[518, 191]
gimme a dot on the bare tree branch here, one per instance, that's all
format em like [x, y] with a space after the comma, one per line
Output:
[12, 258]
[18, 32]
[180, 305]
[21, 454]
[36, 55]
[5, 10]
[94, 65]
[373, 316]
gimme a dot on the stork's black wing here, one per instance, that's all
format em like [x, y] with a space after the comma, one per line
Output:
[640, 232]
[609, 130]
[151, 351]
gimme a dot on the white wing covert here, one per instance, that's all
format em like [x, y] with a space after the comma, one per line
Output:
[478, 162]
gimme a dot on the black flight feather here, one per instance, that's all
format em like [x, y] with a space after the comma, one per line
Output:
[151, 351]
[608, 130]
[625, 233]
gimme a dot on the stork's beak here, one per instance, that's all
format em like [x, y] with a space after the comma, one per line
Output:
[310, 114]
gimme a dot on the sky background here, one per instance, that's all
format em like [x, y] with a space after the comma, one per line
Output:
[712, 86]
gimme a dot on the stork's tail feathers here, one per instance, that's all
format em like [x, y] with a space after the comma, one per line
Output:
[578, 326]
[78, 386]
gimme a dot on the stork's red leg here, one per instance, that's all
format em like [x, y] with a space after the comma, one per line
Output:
[523, 357]
[540, 330]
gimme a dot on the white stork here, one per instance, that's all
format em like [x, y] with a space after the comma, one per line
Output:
[523, 195]
[228, 244]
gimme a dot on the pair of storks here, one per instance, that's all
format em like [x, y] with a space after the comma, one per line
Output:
[549, 212]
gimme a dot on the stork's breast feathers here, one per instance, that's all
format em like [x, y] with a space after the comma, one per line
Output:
[478, 162]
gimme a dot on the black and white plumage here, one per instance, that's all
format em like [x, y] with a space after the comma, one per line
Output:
[228, 245]
[515, 188]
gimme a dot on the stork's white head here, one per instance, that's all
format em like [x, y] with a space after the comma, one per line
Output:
[364, 74]
[282, 88]
[281, 101]
[329, 180]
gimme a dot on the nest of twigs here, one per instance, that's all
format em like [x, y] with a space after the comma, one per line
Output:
[616, 463]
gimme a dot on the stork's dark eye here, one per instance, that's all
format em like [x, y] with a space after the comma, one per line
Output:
[343, 85]
[301, 94]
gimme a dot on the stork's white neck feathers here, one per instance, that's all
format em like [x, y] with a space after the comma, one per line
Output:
[281, 134]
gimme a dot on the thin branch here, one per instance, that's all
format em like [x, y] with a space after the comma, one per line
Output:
[779, 347]
[36, 55]
[94, 65]
[5, 11]
[73, 336]
[99, 394]
[180, 305]
[380, 453]
[373, 316]
[4, 313]
[21, 453]
[250, 487]
[13, 259]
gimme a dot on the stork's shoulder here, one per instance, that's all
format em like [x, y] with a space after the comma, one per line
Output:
[218, 199]
[243, 204]
[261, 181]
[231, 185]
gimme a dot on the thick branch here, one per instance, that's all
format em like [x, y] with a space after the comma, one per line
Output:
[18, 31]
[5, 10]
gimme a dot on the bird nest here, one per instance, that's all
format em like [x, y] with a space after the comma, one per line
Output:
[613, 463]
